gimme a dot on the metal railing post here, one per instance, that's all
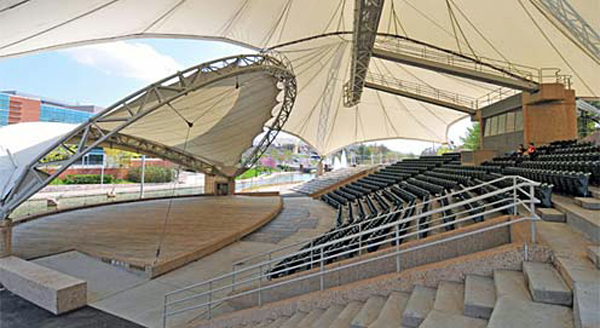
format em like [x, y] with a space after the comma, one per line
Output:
[210, 300]
[322, 264]
[312, 258]
[164, 321]
[532, 210]
[515, 195]
[233, 278]
[360, 238]
[398, 247]
[260, 286]
[270, 258]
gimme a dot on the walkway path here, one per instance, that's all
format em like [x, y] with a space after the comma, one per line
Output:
[142, 302]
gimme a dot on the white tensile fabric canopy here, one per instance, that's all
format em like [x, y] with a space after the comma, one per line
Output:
[21, 143]
[512, 31]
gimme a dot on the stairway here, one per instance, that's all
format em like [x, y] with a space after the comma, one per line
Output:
[535, 297]
[582, 214]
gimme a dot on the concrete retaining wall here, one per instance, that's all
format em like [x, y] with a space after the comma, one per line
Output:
[410, 259]
[483, 263]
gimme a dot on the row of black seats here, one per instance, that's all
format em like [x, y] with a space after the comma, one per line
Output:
[588, 148]
[408, 192]
[592, 156]
[400, 196]
[542, 193]
[572, 183]
[591, 167]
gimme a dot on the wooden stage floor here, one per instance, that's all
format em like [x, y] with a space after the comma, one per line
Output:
[131, 232]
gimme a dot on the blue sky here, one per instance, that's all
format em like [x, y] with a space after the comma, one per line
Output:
[102, 74]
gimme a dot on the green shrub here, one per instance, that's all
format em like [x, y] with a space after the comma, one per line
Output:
[153, 174]
[87, 179]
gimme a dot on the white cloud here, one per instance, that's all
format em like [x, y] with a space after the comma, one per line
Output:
[127, 59]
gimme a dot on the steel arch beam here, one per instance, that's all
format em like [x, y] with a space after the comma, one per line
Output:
[579, 30]
[367, 14]
[138, 105]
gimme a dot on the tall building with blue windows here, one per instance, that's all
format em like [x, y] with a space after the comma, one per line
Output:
[17, 107]
[4, 109]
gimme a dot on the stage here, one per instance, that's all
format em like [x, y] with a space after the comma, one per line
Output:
[129, 234]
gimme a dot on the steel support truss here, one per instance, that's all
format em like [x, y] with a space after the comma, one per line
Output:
[577, 27]
[142, 103]
[366, 21]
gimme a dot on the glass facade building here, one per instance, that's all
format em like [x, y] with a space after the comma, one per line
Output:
[51, 113]
[4, 109]
[17, 107]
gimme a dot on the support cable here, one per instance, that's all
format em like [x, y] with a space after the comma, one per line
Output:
[161, 237]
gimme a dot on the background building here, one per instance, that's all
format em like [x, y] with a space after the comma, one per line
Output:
[18, 107]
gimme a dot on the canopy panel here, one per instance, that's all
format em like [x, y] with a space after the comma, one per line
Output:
[21, 143]
[520, 32]
[243, 102]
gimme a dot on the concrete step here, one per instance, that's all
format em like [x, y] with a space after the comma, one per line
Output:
[293, 321]
[552, 215]
[311, 317]
[589, 203]
[546, 284]
[593, 252]
[586, 305]
[511, 284]
[480, 296]
[584, 279]
[369, 312]
[450, 298]
[514, 313]
[391, 314]
[347, 315]
[577, 269]
[327, 317]
[438, 319]
[595, 191]
[585, 221]
[278, 322]
[419, 305]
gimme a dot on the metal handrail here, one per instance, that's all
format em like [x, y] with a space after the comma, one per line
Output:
[339, 268]
[510, 202]
[478, 63]
[365, 221]
[338, 254]
[412, 218]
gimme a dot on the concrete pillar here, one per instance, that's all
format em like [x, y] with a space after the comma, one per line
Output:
[320, 169]
[5, 237]
[212, 182]
[549, 114]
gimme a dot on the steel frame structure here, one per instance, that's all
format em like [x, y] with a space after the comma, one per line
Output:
[578, 28]
[367, 14]
[134, 107]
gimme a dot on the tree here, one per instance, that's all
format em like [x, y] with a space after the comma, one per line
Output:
[586, 122]
[472, 140]
[119, 158]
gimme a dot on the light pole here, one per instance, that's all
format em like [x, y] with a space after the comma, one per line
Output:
[142, 176]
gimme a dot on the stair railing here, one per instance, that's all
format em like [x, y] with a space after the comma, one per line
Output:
[256, 278]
